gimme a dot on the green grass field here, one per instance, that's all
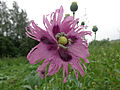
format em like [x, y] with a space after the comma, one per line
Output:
[103, 73]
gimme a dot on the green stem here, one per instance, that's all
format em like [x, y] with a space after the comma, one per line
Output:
[95, 36]
[56, 80]
[62, 86]
[46, 83]
[73, 14]
[45, 80]
[62, 83]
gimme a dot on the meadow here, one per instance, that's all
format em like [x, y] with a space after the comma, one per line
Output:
[103, 72]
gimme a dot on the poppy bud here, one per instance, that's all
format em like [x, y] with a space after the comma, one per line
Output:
[94, 29]
[82, 23]
[66, 15]
[74, 6]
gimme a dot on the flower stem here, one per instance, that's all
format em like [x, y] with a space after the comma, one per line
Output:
[73, 14]
[95, 36]
[62, 86]
[46, 83]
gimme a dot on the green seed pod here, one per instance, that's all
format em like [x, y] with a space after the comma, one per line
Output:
[94, 29]
[82, 23]
[62, 40]
[74, 6]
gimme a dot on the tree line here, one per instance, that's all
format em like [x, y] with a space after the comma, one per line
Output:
[13, 41]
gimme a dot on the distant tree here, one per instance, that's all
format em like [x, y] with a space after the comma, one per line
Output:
[4, 19]
[18, 21]
[12, 21]
[7, 47]
[13, 41]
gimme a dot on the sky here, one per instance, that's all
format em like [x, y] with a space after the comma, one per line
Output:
[105, 14]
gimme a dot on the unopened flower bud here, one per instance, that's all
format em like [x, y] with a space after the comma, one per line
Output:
[74, 6]
[66, 15]
[94, 29]
[82, 23]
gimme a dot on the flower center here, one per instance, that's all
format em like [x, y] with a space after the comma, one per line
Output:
[62, 40]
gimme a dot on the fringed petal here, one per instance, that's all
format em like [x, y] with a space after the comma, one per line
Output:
[76, 74]
[65, 71]
[39, 53]
[35, 32]
[76, 65]
[66, 23]
[49, 27]
[41, 69]
[60, 15]
[83, 33]
[54, 66]
[80, 47]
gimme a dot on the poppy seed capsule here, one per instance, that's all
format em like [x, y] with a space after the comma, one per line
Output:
[74, 6]
[82, 23]
[94, 29]
[62, 40]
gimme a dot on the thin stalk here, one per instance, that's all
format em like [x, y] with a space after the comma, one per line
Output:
[45, 80]
[62, 83]
[62, 86]
[46, 83]
[56, 80]
[95, 36]
[73, 14]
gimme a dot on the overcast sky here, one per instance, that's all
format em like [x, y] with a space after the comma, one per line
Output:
[103, 13]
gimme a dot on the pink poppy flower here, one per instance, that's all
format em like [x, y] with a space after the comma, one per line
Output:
[61, 43]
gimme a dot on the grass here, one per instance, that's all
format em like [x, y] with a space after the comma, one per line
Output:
[103, 73]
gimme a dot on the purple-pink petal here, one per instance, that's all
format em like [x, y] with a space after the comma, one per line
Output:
[35, 32]
[66, 23]
[55, 29]
[76, 74]
[41, 69]
[80, 49]
[53, 68]
[65, 71]
[60, 15]
[55, 65]
[75, 63]
[39, 53]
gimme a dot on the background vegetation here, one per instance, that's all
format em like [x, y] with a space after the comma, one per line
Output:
[13, 41]
[103, 73]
